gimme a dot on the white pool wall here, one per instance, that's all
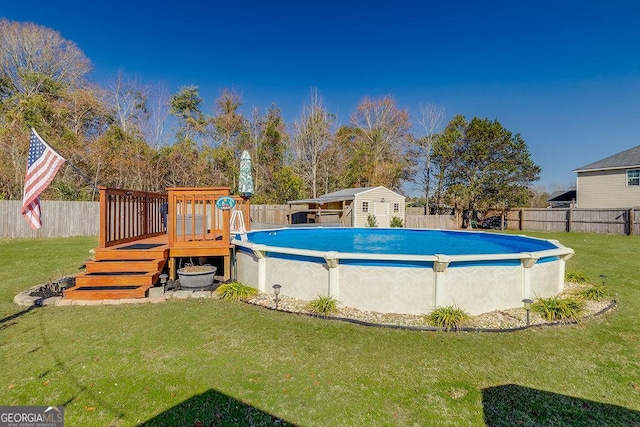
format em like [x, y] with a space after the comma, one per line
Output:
[408, 290]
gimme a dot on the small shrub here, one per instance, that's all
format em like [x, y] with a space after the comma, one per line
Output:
[576, 277]
[372, 221]
[558, 309]
[595, 293]
[448, 317]
[236, 291]
[323, 305]
[396, 222]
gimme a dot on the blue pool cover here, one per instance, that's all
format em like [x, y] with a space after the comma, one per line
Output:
[398, 241]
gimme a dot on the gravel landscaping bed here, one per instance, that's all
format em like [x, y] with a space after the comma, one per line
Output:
[515, 318]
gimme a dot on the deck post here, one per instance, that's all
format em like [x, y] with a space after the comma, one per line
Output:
[103, 217]
[172, 268]
[227, 266]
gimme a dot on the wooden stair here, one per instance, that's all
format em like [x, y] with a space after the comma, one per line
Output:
[123, 271]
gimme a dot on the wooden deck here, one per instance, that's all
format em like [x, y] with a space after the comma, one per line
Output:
[135, 248]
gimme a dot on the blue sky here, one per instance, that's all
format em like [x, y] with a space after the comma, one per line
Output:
[563, 74]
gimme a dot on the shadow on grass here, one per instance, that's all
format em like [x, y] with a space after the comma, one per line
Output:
[15, 316]
[514, 405]
[213, 408]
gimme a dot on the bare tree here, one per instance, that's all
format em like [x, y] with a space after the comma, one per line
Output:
[158, 105]
[127, 97]
[313, 134]
[431, 119]
[538, 196]
[254, 130]
[42, 85]
[87, 114]
[35, 59]
[383, 131]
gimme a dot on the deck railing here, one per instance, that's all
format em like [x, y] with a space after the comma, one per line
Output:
[195, 220]
[129, 215]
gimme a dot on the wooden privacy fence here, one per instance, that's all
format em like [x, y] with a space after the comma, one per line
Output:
[602, 221]
[416, 217]
[64, 218]
[443, 222]
[274, 214]
[59, 219]
[280, 215]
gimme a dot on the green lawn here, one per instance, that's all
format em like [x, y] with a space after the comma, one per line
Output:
[212, 362]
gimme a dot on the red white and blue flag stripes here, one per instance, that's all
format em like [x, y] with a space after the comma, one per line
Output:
[42, 166]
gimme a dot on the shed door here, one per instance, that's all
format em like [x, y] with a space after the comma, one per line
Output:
[381, 211]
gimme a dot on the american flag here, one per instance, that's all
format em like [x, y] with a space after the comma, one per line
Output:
[42, 166]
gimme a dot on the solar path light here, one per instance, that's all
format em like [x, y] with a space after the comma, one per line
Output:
[527, 306]
[276, 292]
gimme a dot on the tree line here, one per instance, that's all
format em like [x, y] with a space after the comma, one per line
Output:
[129, 135]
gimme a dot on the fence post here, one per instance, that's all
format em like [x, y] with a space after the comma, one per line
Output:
[521, 220]
[630, 218]
[570, 220]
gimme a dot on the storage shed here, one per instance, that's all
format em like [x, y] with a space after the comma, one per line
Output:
[350, 207]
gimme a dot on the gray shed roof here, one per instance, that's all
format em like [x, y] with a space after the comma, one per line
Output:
[626, 159]
[337, 196]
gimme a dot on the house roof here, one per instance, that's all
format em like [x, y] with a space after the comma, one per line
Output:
[626, 159]
[563, 196]
[339, 196]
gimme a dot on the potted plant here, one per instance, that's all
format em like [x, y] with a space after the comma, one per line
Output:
[196, 276]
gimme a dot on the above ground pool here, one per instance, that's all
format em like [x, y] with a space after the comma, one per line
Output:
[397, 270]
